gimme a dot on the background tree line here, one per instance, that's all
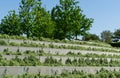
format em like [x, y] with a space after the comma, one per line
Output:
[105, 36]
[65, 20]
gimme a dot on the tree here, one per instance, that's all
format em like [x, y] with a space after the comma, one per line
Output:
[91, 37]
[69, 20]
[43, 26]
[10, 24]
[106, 36]
[117, 33]
[25, 10]
[35, 20]
[81, 24]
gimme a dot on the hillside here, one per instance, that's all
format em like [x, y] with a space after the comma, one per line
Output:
[30, 58]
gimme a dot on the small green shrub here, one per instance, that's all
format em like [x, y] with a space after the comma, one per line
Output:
[56, 40]
[71, 53]
[2, 42]
[4, 36]
[51, 45]
[6, 50]
[50, 61]
[116, 44]
[18, 52]
[14, 44]
[35, 38]
[45, 39]
[40, 52]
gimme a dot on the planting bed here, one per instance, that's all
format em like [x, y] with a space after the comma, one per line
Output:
[56, 59]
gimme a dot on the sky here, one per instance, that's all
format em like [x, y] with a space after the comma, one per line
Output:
[106, 13]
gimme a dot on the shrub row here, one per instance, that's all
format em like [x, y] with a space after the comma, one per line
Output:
[50, 61]
[74, 74]
[4, 36]
[26, 44]
[41, 52]
[92, 55]
[27, 61]
[82, 48]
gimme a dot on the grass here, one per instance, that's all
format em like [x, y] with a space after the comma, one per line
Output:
[2, 42]
[41, 52]
[51, 45]
[31, 58]
[102, 73]
[93, 43]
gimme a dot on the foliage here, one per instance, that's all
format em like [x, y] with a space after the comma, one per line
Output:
[116, 39]
[52, 62]
[66, 21]
[106, 36]
[10, 24]
[69, 20]
[93, 43]
[91, 37]
[5, 36]
[2, 42]
[115, 44]
[32, 60]
[92, 62]
[51, 45]
[26, 20]
[41, 52]
[35, 20]
[116, 34]
[43, 26]
[13, 44]
[26, 44]
[74, 74]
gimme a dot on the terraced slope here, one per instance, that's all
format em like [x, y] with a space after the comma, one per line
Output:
[50, 58]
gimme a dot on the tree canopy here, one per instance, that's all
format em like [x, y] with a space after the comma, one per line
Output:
[91, 37]
[69, 20]
[117, 33]
[66, 20]
[106, 36]
[43, 26]
[10, 24]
